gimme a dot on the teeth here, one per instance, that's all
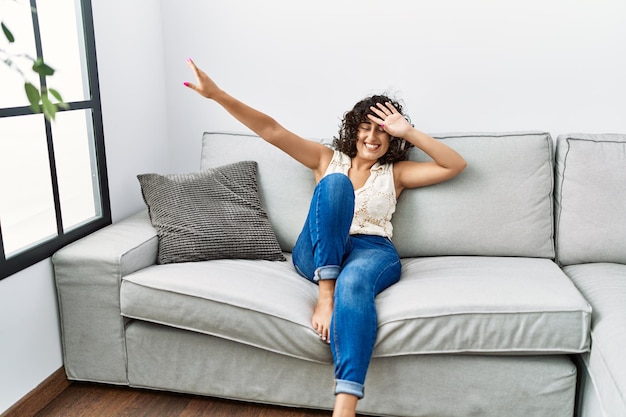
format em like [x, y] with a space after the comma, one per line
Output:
[370, 146]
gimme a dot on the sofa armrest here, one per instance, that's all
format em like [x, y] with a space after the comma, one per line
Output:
[88, 275]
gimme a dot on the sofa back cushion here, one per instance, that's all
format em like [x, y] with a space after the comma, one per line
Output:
[501, 205]
[590, 198]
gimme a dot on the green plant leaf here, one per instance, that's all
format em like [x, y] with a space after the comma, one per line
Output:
[55, 94]
[42, 68]
[33, 97]
[58, 97]
[49, 109]
[7, 33]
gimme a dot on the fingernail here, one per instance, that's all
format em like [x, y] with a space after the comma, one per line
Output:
[186, 84]
[188, 59]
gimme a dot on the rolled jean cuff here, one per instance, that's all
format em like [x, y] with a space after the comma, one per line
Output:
[349, 387]
[326, 272]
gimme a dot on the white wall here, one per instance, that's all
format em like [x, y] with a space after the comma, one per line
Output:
[459, 65]
[129, 44]
[480, 65]
[130, 61]
[30, 348]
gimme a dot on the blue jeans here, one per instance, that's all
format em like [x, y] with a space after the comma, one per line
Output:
[363, 266]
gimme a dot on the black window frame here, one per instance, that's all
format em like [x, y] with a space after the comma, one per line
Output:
[44, 250]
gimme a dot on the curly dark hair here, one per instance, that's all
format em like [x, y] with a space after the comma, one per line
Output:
[346, 142]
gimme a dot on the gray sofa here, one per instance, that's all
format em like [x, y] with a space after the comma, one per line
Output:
[483, 322]
[590, 197]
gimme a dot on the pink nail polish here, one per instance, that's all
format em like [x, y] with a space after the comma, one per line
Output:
[186, 84]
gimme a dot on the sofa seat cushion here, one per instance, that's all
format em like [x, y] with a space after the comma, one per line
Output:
[604, 285]
[260, 303]
[483, 305]
[440, 305]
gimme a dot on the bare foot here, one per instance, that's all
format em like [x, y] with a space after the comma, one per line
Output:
[324, 309]
[321, 319]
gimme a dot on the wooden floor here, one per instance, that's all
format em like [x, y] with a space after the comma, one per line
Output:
[94, 400]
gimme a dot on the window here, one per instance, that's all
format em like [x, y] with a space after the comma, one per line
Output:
[53, 184]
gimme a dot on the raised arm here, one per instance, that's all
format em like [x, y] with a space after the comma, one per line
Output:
[311, 154]
[446, 163]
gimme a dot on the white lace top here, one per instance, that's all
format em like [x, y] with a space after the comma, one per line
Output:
[375, 202]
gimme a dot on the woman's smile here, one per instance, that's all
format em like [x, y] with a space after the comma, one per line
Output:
[372, 146]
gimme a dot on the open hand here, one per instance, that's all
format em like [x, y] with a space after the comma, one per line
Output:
[205, 86]
[390, 120]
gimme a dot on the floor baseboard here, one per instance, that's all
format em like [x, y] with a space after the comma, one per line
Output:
[40, 396]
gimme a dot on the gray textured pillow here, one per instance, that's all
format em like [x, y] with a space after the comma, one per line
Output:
[212, 214]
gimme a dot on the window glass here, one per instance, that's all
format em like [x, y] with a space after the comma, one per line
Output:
[76, 167]
[60, 24]
[27, 211]
[17, 17]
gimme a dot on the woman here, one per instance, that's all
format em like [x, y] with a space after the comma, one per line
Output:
[345, 245]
